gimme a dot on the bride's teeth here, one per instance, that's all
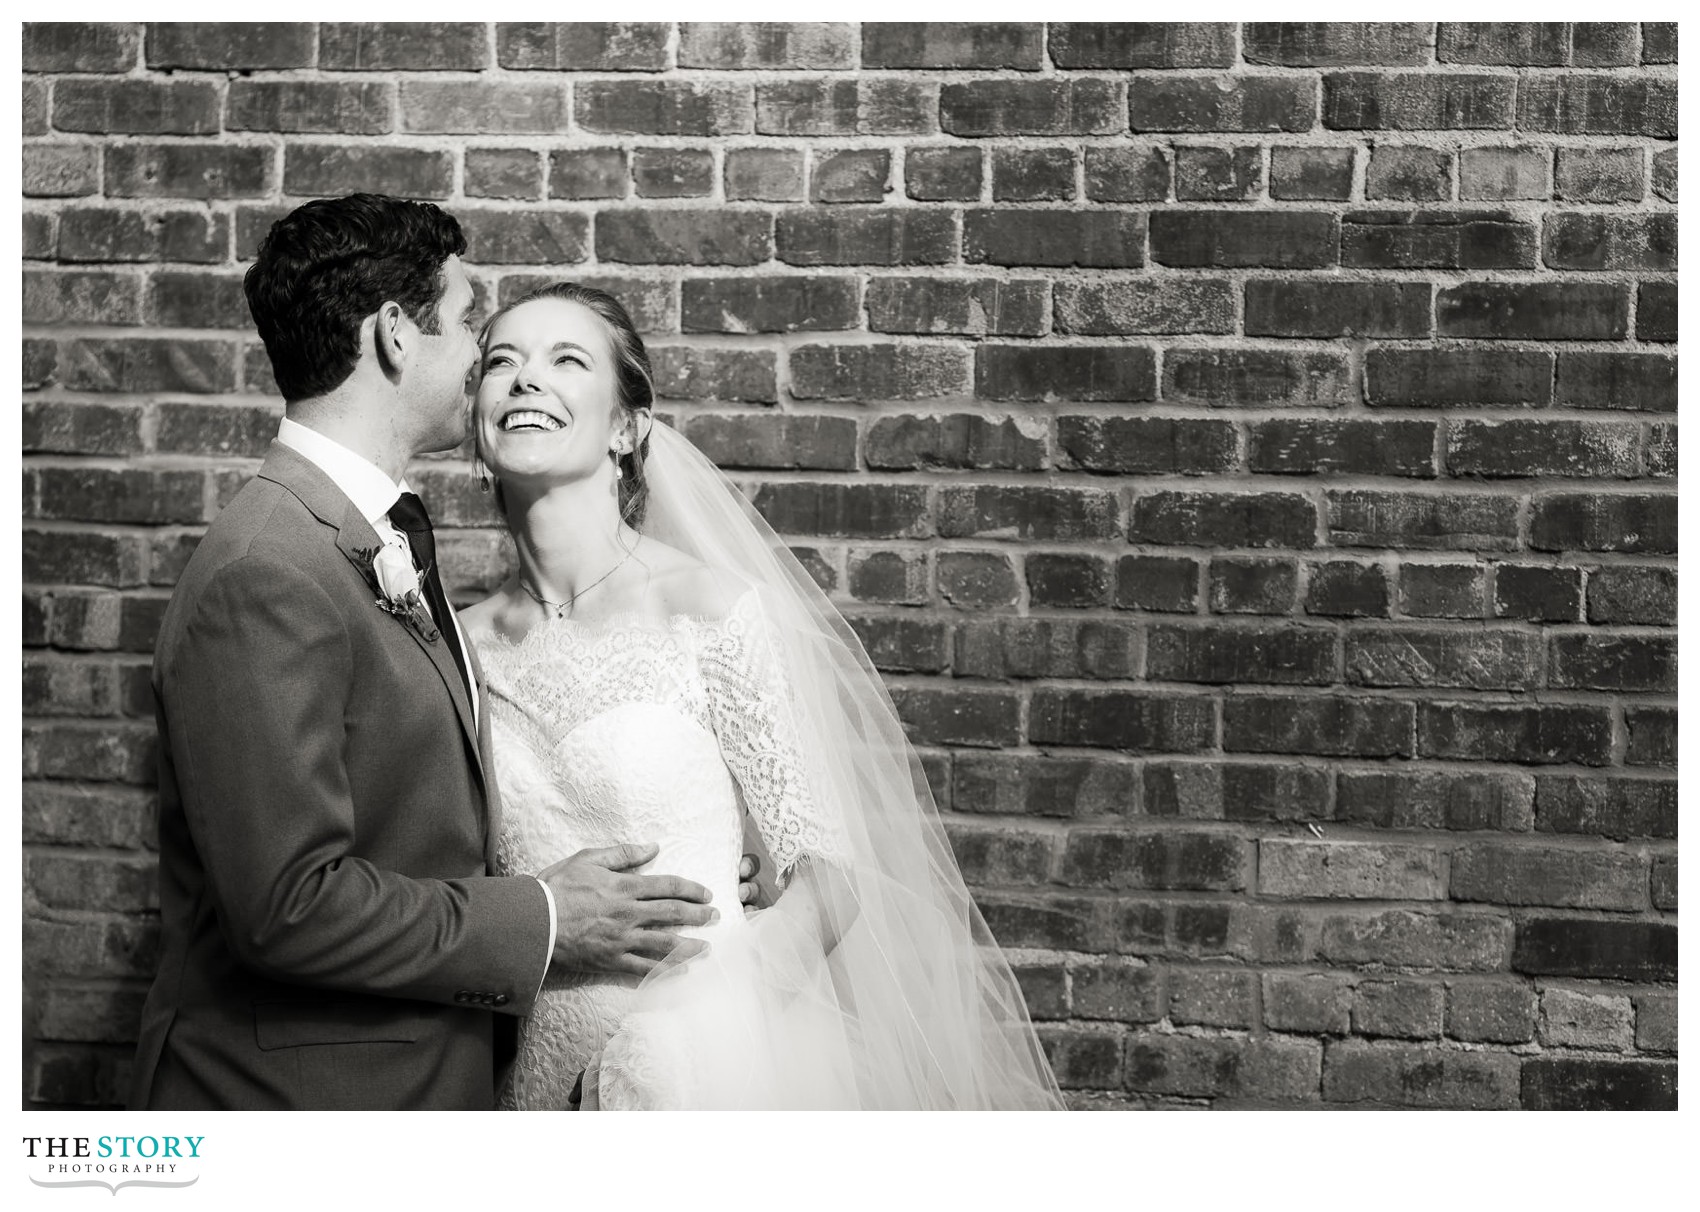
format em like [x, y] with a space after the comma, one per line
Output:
[542, 420]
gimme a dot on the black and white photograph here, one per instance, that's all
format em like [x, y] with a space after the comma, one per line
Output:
[846, 565]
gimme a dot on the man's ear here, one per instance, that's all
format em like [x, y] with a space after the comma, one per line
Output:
[392, 335]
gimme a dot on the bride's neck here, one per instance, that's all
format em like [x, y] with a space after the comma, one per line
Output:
[568, 538]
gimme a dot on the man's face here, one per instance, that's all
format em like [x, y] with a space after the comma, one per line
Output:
[442, 375]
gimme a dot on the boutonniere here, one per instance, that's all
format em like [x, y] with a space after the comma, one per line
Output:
[399, 587]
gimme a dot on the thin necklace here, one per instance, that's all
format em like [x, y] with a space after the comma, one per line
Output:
[561, 608]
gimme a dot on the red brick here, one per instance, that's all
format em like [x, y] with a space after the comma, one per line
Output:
[150, 364]
[374, 46]
[1632, 593]
[524, 236]
[243, 431]
[776, 441]
[1216, 655]
[1033, 174]
[699, 373]
[752, 45]
[877, 372]
[1655, 311]
[80, 46]
[1617, 808]
[37, 101]
[1624, 664]
[1065, 372]
[1285, 308]
[1347, 589]
[1534, 734]
[56, 686]
[684, 237]
[1157, 583]
[1099, 858]
[1212, 519]
[1416, 101]
[858, 510]
[897, 107]
[664, 107]
[942, 174]
[897, 644]
[84, 557]
[1615, 522]
[1067, 580]
[603, 46]
[60, 171]
[1146, 445]
[976, 580]
[1537, 593]
[1102, 44]
[1402, 938]
[1454, 520]
[1166, 306]
[1047, 786]
[1579, 103]
[593, 172]
[511, 173]
[1504, 43]
[1405, 377]
[1327, 726]
[1257, 377]
[196, 300]
[969, 306]
[1259, 1069]
[1336, 43]
[1202, 104]
[1218, 174]
[1577, 1084]
[1129, 720]
[1652, 736]
[789, 304]
[860, 237]
[81, 297]
[325, 170]
[1664, 174]
[1235, 239]
[1610, 949]
[1632, 381]
[808, 107]
[975, 718]
[1002, 649]
[1505, 173]
[958, 440]
[41, 363]
[106, 752]
[1409, 173]
[482, 108]
[1252, 585]
[1595, 241]
[1057, 106]
[895, 578]
[313, 107]
[94, 816]
[673, 172]
[1305, 173]
[68, 427]
[181, 170]
[981, 44]
[850, 175]
[1000, 856]
[1419, 1076]
[1600, 174]
[1017, 236]
[764, 174]
[1430, 239]
[1009, 512]
[229, 46]
[1127, 174]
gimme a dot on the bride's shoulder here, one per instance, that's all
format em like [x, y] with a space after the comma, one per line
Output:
[495, 615]
[684, 585]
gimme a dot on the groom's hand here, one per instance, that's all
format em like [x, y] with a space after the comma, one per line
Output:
[608, 920]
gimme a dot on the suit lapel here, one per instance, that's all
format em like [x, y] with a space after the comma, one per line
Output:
[356, 539]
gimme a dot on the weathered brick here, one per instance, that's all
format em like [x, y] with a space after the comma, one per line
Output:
[970, 306]
[600, 46]
[1276, 307]
[1088, 373]
[1030, 648]
[1242, 239]
[1604, 43]
[1401, 1009]
[816, 303]
[373, 46]
[511, 173]
[664, 107]
[229, 46]
[590, 172]
[1127, 174]
[1662, 885]
[1416, 101]
[1600, 174]
[751, 45]
[1655, 1022]
[1585, 103]
[1626, 664]
[1033, 174]
[877, 372]
[1350, 870]
[1536, 593]
[810, 443]
[1534, 734]
[53, 685]
[1574, 1084]
[1490, 1011]
[1222, 656]
[1044, 785]
[1571, 1018]
[181, 170]
[1631, 381]
[525, 237]
[1468, 521]
[1213, 998]
[1121, 719]
[1000, 855]
[1253, 585]
[763, 174]
[850, 175]
[698, 373]
[1315, 1003]
[1504, 43]
[861, 237]
[80, 46]
[1212, 519]
[1596, 241]
[1327, 726]
[980, 44]
[1091, 239]
[1067, 580]
[1615, 522]
[1509, 874]
[942, 174]
[1652, 736]
[66, 427]
[977, 580]
[1057, 106]
[1239, 791]
[1536, 448]
[1452, 942]
[146, 364]
[897, 578]
[1557, 311]
[1406, 172]
[326, 169]
[1664, 174]
[673, 172]
[1416, 1076]
[55, 171]
[1396, 448]
[976, 718]
[1102, 44]
[958, 440]
[1655, 311]
[1157, 583]
[313, 107]
[1436, 799]
[1257, 1068]
[1119, 990]
[1009, 512]
[1090, 1060]
[683, 237]
[81, 297]
[1658, 42]
[1416, 377]
[1099, 858]
[103, 752]
[1145, 445]
[1504, 173]
[1202, 104]
[1347, 589]
[1471, 660]
[1307, 173]
[1632, 593]
[1430, 239]
[1256, 377]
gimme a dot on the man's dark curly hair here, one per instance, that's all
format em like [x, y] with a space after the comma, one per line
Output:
[327, 265]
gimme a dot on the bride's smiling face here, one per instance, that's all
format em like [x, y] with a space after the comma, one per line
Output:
[547, 403]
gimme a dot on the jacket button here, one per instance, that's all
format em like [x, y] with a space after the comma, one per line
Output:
[461, 995]
[501, 999]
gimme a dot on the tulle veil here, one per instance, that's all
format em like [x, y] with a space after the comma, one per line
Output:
[914, 1007]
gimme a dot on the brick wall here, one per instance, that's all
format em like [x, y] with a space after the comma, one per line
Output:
[1249, 450]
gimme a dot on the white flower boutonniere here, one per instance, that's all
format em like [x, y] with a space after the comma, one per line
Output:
[399, 583]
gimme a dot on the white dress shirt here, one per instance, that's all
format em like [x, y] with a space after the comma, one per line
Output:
[372, 493]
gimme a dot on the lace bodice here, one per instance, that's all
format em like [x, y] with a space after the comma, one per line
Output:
[641, 730]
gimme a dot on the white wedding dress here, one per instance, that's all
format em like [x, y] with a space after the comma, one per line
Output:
[641, 729]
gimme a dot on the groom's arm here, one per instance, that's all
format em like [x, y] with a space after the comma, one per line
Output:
[255, 697]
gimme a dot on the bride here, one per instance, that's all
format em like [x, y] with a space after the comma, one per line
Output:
[659, 667]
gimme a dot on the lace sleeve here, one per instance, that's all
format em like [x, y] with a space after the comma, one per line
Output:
[752, 705]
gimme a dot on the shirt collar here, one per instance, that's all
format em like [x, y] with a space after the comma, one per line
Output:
[361, 482]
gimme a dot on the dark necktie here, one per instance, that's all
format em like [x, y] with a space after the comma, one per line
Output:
[408, 514]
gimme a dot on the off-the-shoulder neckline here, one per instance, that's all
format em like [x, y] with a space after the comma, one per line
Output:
[622, 620]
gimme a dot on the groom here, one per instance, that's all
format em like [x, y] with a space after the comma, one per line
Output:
[331, 935]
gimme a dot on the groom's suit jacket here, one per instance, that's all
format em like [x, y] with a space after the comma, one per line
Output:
[331, 937]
